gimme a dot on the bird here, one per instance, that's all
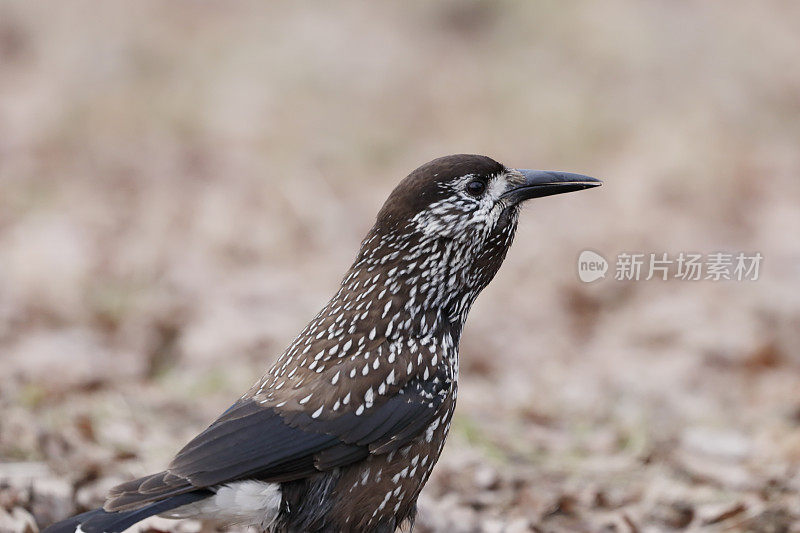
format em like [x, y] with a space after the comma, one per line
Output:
[343, 431]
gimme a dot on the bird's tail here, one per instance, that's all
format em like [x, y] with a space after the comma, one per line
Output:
[101, 521]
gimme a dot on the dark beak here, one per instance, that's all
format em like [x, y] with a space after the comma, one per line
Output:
[539, 183]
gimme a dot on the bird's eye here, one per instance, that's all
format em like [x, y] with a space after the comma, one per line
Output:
[476, 187]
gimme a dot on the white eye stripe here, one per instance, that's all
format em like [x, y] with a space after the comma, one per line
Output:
[497, 187]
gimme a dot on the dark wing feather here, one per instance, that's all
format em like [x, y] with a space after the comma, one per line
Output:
[251, 440]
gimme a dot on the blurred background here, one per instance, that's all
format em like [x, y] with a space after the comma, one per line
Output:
[182, 185]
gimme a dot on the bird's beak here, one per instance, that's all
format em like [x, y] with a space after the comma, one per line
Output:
[538, 183]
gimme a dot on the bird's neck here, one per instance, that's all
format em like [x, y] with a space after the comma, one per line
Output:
[412, 285]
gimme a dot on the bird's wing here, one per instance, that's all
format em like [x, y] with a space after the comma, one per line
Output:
[252, 440]
[277, 441]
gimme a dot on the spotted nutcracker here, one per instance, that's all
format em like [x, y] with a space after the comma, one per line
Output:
[343, 431]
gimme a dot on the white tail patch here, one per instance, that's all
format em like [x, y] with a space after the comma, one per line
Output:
[252, 503]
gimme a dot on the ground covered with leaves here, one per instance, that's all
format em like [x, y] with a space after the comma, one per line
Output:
[182, 185]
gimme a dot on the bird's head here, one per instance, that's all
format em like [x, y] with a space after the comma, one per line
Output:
[469, 198]
[445, 229]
